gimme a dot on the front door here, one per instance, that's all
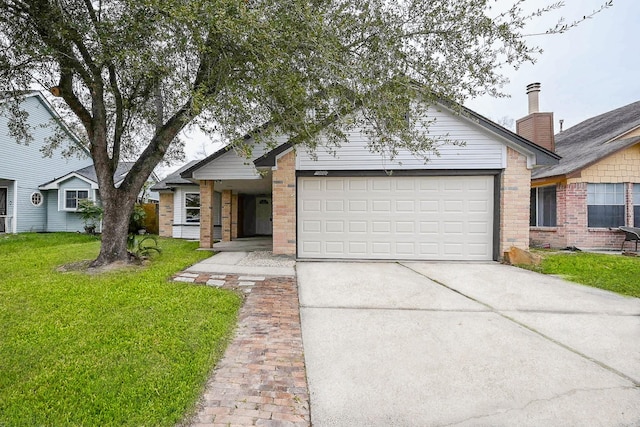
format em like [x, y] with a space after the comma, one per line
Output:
[3, 209]
[263, 216]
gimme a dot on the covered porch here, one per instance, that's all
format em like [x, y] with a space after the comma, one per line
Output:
[8, 205]
[246, 211]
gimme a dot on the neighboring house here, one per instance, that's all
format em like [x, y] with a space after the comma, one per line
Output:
[65, 192]
[595, 188]
[23, 168]
[469, 203]
[41, 193]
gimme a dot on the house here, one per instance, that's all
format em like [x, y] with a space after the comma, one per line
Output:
[65, 192]
[24, 206]
[469, 203]
[594, 188]
[39, 192]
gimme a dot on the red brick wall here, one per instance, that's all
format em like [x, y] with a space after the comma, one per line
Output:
[572, 229]
[284, 205]
[537, 127]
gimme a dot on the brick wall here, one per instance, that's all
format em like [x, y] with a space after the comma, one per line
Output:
[537, 127]
[166, 214]
[284, 205]
[572, 229]
[206, 214]
[226, 215]
[514, 203]
[234, 216]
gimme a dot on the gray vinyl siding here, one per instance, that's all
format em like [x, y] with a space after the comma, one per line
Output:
[27, 166]
[233, 166]
[481, 150]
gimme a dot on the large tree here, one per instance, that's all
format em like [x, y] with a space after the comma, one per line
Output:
[134, 73]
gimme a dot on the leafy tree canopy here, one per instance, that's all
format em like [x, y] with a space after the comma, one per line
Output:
[134, 73]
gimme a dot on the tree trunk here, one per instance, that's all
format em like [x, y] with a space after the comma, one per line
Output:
[118, 207]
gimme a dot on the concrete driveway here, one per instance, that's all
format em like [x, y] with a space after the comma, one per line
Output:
[465, 344]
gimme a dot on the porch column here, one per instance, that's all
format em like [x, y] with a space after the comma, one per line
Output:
[166, 214]
[226, 215]
[284, 205]
[206, 214]
[234, 216]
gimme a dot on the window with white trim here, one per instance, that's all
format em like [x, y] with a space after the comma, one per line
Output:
[192, 207]
[73, 197]
[543, 207]
[605, 205]
[36, 198]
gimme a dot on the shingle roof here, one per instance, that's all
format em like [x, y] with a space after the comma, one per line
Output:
[174, 178]
[593, 139]
[90, 171]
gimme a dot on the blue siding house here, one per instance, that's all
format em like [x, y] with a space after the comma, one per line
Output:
[41, 193]
[24, 205]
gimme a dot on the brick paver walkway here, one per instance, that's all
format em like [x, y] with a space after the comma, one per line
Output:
[261, 379]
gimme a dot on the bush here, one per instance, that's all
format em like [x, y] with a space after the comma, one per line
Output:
[91, 215]
[136, 221]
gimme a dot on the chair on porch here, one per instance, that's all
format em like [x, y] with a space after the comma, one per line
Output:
[630, 234]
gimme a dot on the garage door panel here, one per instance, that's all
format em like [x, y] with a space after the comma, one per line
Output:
[405, 184]
[439, 218]
[334, 226]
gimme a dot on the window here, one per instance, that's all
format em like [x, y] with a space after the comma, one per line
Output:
[636, 205]
[543, 207]
[72, 197]
[192, 207]
[36, 198]
[605, 205]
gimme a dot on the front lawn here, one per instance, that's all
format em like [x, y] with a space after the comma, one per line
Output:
[123, 347]
[615, 273]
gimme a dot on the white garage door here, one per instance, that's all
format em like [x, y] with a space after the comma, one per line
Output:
[423, 218]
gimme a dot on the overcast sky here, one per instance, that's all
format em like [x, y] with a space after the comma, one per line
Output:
[589, 70]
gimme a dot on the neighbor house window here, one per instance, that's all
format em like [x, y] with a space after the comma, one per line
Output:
[543, 207]
[605, 205]
[72, 197]
[192, 207]
[36, 198]
[636, 205]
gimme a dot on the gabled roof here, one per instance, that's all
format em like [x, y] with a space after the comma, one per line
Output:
[175, 179]
[542, 155]
[592, 140]
[89, 175]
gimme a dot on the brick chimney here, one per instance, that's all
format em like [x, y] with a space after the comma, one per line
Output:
[536, 126]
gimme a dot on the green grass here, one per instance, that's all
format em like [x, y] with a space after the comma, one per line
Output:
[119, 348]
[615, 273]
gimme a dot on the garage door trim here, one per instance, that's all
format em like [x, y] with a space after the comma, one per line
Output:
[497, 179]
[397, 172]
